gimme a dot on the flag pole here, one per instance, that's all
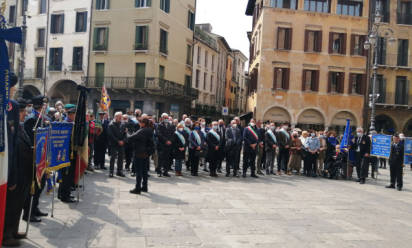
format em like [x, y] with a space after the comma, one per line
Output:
[52, 210]
[78, 176]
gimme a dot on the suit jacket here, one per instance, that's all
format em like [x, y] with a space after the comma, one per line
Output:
[116, 133]
[397, 152]
[269, 142]
[176, 144]
[193, 142]
[164, 134]
[12, 135]
[364, 145]
[212, 142]
[24, 157]
[249, 138]
[142, 141]
[233, 142]
[283, 139]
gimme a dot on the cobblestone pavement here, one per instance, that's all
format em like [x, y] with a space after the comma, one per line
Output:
[272, 211]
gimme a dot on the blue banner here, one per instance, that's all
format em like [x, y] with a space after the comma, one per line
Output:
[346, 136]
[41, 145]
[60, 145]
[408, 151]
[381, 145]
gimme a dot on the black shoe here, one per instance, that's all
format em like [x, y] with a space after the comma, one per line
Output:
[68, 200]
[39, 213]
[227, 175]
[362, 181]
[103, 168]
[20, 236]
[390, 186]
[11, 242]
[244, 175]
[196, 174]
[135, 191]
[254, 176]
[144, 189]
[33, 219]
[133, 174]
[166, 174]
[205, 170]
[219, 170]
[111, 174]
[260, 173]
[120, 174]
[358, 180]
[399, 188]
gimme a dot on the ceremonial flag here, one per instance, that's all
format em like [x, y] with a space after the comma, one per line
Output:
[12, 35]
[80, 132]
[41, 145]
[60, 145]
[346, 136]
[105, 101]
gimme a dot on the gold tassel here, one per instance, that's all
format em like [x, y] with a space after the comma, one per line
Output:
[32, 188]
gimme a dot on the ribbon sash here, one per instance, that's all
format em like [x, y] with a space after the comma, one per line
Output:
[187, 130]
[253, 133]
[197, 137]
[272, 136]
[215, 134]
[180, 136]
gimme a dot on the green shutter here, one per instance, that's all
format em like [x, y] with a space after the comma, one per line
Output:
[137, 38]
[140, 75]
[149, 3]
[146, 37]
[167, 9]
[108, 4]
[94, 38]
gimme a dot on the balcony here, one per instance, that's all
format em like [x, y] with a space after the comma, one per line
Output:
[153, 86]
[390, 100]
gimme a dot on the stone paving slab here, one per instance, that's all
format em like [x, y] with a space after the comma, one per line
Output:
[272, 211]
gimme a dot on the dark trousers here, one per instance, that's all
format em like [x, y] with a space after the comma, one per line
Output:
[283, 159]
[128, 152]
[249, 161]
[231, 159]
[99, 155]
[396, 171]
[141, 165]
[362, 165]
[165, 159]
[117, 152]
[382, 163]
[36, 197]
[310, 164]
[67, 180]
[194, 162]
[91, 151]
[14, 205]
[213, 166]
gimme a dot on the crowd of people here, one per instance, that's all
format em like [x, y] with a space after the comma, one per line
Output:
[133, 139]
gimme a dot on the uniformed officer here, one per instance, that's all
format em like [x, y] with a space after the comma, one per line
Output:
[251, 140]
[362, 146]
[36, 119]
[64, 193]
[396, 163]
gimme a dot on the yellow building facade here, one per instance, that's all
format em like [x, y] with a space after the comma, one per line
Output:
[307, 66]
[142, 52]
[394, 103]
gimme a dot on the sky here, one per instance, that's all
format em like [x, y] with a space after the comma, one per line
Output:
[228, 19]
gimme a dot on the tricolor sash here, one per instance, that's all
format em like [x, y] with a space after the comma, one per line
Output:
[272, 136]
[180, 136]
[187, 130]
[197, 137]
[215, 134]
[252, 131]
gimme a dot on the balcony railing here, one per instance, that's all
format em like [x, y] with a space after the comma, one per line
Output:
[391, 100]
[404, 19]
[152, 85]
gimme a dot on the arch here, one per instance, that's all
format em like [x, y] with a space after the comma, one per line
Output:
[277, 114]
[385, 124]
[64, 90]
[407, 129]
[311, 118]
[29, 91]
[339, 119]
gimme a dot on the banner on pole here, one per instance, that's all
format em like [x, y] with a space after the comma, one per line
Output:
[381, 145]
[408, 151]
[60, 145]
[41, 139]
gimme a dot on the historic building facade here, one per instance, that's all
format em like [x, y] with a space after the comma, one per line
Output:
[307, 62]
[394, 103]
[142, 52]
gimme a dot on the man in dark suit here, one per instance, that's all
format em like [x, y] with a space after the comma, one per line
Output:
[239, 126]
[221, 130]
[362, 147]
[165, 132]
[233, 145]
[261, 147]
[284, 140]
[117, 138]
[396, 163]
[214, 141]
[251, 140]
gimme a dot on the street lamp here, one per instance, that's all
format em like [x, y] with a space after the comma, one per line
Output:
[376, 31]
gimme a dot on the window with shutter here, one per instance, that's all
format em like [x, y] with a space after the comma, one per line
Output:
[401, 96]
[81, 21]
[403, 52]
[77, 63]
[100, 39]
[163, 41]
[142, 34]
[317, 5]
[57, 24]
[349, 7]
[143, 3]
[99, 74]
[165, 5]
[281, 78]
[55, 59]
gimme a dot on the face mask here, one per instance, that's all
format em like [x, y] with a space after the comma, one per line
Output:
[272, 128]
[187, 125]
[234, 125]
[359, 134]
[197, 128]
[312, 135]
[252, 124]
[214, 127]
[166, 121]
[180, 129]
